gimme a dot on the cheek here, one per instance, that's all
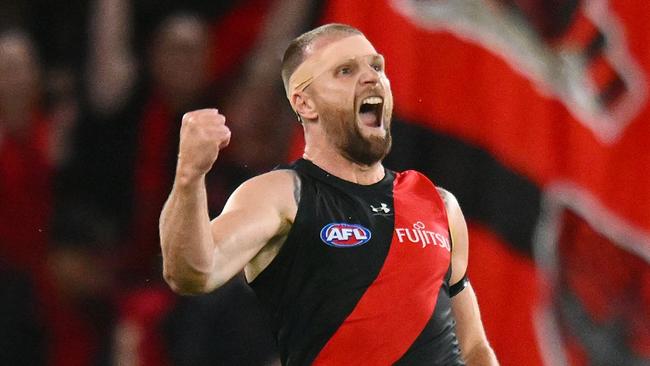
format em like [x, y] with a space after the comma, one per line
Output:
[388, 105]
[337, 96]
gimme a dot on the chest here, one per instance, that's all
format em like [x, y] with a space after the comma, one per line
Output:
[349, 236]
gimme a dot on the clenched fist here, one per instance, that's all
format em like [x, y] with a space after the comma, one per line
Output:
[203, 134]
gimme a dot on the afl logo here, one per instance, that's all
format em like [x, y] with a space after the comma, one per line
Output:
[343, 235]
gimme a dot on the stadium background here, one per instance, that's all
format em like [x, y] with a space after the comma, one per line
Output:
[533, 113]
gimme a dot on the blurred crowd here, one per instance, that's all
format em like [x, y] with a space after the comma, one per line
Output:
[91, 99]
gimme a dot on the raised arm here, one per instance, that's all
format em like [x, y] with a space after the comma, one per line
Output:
[474, 345]
[200, 255]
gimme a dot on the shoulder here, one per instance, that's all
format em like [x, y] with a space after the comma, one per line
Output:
[279, 188]
[278, 176]
[275, 181]
[457, 224]
[451, 203]
[454, 213]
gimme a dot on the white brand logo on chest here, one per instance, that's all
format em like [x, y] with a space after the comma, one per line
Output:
[383, 208]
[419, 235]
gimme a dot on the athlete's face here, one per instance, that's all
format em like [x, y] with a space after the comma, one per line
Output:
[354, 102]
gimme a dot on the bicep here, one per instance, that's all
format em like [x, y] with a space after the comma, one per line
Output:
[244, 231]
[459, 236]
[256, 212]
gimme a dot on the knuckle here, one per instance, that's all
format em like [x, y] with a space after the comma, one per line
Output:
[209, 112]
[191, 114]
[189, 120]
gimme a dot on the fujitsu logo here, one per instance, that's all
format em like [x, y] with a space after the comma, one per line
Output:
[418, 235]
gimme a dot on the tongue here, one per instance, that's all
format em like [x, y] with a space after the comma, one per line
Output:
[369, 119]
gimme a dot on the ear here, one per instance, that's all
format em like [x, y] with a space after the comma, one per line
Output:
[304, 106]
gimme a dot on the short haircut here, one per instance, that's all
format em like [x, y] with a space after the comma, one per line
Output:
[295, 52]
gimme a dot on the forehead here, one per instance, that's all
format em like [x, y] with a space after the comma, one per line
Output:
[15, 48]
[16, 58]
[182, 31]
[355, 45]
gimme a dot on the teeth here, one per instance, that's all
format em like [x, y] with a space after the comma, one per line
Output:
[373, 100]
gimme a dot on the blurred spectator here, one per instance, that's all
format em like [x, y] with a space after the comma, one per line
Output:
[80, 303]
[178, 64]
[258, 114]
[227, 327]
[26, 156]
[22, 341]
[30, 146]
[59, 34]
[139, 337]
[125, 160]
[55, 26]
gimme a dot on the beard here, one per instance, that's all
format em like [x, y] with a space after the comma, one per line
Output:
[342, 128]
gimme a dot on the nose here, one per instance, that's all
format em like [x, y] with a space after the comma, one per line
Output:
[369, 75]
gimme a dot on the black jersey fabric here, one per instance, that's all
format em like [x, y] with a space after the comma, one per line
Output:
[363, 277]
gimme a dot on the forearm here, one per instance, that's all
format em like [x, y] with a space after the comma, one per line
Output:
[474, 346]
[185, 237]
[481, 355]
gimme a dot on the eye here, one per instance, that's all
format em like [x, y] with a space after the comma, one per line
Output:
[378, 67]
[345, 70]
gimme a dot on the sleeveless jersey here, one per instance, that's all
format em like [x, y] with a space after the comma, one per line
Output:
[363, 276]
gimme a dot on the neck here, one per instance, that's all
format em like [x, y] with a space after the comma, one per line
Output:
[329, 159]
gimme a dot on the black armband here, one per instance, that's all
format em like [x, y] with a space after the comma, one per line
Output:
[459, 286]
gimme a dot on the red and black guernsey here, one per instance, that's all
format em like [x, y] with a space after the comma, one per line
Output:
[363, 277]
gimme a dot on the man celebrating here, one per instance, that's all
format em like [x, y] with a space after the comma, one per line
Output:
[356, 264]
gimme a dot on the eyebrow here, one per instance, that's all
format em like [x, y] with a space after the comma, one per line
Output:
[346, 60]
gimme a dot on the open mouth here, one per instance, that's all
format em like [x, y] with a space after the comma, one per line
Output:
[370, 111]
